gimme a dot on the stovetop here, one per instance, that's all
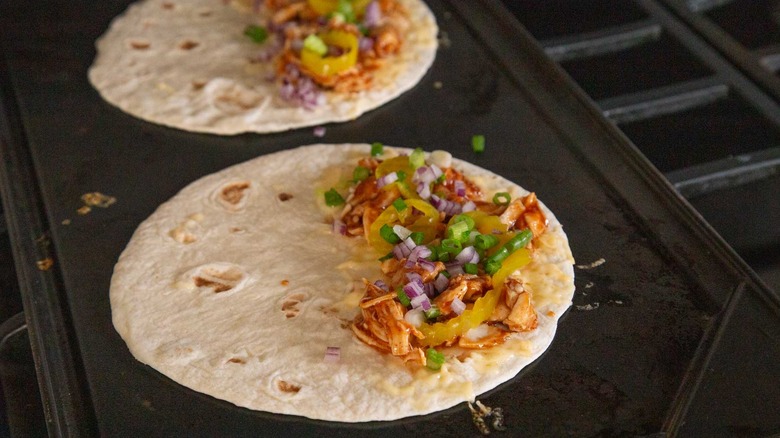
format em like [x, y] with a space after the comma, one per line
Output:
[694, 85]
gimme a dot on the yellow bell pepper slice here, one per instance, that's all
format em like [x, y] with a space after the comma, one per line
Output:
[441, 332]
[324, 7]
[332, 65]
[426, 224]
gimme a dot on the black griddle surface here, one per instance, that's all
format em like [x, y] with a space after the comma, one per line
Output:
[653, 343]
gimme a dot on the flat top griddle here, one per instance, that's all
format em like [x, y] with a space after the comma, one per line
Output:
[657, 338]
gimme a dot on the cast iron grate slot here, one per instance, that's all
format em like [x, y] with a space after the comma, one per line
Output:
[608, 40]
[746, 32]
[663, 100]
[557, 18]
[704, 134]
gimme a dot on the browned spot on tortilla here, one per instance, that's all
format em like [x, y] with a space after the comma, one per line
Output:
[237, 230]
[234, 193]
[236, 360]
[188, 44]
[216, 286]
[198, 84]
[140, 44]
[45, 264]
[285, 197]
[168, 5]
[290, 304]
[550, 313]
[218, 281]
[205, 13]
[285, 282]
[288, 387]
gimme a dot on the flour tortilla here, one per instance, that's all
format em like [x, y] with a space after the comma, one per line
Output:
[185, 64]
[294, 286]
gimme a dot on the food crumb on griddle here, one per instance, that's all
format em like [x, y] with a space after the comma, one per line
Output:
[45, 264]
[482, 414]
[595, 264]
[285, 196]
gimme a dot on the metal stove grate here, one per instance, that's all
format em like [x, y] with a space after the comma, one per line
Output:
[695, 92]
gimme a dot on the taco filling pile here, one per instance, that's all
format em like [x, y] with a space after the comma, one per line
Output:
[450, 256]
[232, 66]
[260, 284]
[328, 44]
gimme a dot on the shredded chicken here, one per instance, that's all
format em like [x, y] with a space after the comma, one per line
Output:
[525, 213]
[465, 287]
[299, 20]
[381, 323]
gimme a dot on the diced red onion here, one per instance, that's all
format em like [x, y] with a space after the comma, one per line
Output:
[430, 291]
[436, 170]
[411, 276]
[450, 208]
[424, 190]
[387, 179]
[365, 43]
[460, 188]
[468, 254]
[455, 268]
[401, 231]
[468, 206]
[457, 306]
[418, 252]
[332, 354]
[372, 14]
[424, 174]
[382, 285]
[319, 131]
[415, 317]
[410, 243]
[339, 227]
[441, 283]
[401, 251]
[427, 264]
[414, 289]
[421, 301]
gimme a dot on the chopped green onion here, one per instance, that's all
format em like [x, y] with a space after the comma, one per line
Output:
[388, 234]
[315, 44]
[501, 198]
[434, 359]
[417, 237]
[485, 241]
[459, 231]
[446, 274]
[432, 313]
[470, 268]
[401, 175]
[402, 297]
[332, 198]
[441, 179]
[492, 266]
[387, 256]
[520, 240]
[442, 255]
[478, 143]
[360, 173]
[451, 247]
[256, 33]
[417, 158]
[377, 149]
[399, 204]
[344, 8]
[461, 218]
[500, 255]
